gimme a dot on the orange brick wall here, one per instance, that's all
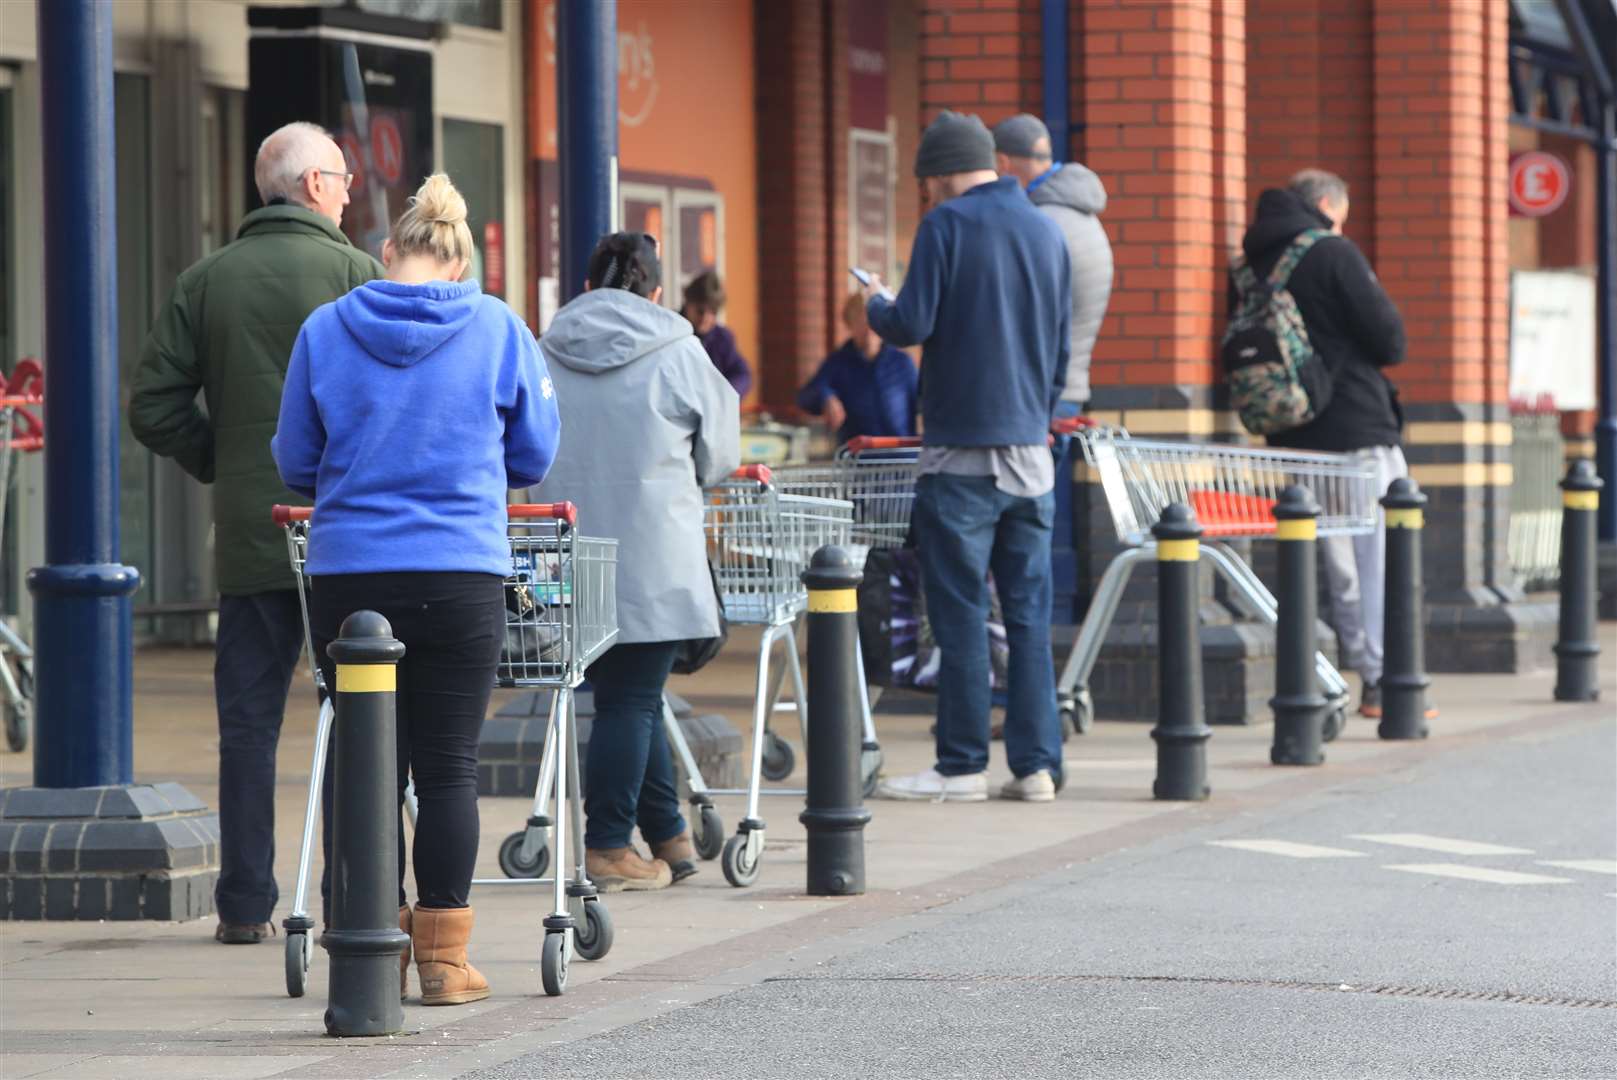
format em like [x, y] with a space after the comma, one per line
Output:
[980, 56]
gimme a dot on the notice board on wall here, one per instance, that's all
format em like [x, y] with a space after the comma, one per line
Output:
[1552, 340]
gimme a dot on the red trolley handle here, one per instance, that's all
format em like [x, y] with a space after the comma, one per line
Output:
[561, 511]
[1072, 425]
[558, 511]
[860, 443]
[26, 386]
[758, 473]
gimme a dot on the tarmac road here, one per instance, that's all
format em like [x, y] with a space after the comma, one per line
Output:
[1457, 918]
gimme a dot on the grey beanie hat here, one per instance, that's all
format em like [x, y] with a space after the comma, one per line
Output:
[954, 143]
[1016, 137]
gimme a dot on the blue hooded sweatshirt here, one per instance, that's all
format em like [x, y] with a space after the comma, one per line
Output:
[409, 411]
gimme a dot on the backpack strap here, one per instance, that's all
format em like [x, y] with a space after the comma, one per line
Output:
[1300, 246]
[1246, 282]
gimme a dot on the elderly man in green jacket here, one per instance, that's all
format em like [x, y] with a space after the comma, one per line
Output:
[228, 330]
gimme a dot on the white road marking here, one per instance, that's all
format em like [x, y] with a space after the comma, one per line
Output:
[1288, 848]
[1593, 866]
[1480, 873]
[1446, 845]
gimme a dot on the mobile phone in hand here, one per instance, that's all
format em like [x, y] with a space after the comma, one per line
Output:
[861, 276]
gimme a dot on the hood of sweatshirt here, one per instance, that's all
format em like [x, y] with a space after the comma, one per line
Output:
[608, 328]
[1280, 216]
[402, 324]
[1072, 185]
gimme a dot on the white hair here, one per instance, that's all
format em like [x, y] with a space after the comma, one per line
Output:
[284, 156]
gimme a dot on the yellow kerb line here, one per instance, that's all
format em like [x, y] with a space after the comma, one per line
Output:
[833, 601]
[367, 678]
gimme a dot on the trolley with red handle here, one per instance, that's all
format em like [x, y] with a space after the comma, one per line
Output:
[21, 431]
[1233, 490]
[561, 613]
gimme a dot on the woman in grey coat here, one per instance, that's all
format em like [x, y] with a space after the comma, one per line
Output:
[647, 421]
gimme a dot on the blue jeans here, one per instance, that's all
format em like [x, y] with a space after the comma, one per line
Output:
[965, 527]
[629, 770]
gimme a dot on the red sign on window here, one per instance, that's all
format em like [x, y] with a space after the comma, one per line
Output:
[1539, 183]
[387, 149]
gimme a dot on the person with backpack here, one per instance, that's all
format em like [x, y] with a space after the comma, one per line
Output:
[1310, 334]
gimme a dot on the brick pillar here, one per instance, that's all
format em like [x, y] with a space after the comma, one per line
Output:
[793, 199]
[980, 56]
[1441, 107]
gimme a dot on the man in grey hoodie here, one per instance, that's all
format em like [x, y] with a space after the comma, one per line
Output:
[1072, 196]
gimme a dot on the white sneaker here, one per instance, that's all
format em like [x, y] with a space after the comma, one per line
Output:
[1034, 787]
[933, 786]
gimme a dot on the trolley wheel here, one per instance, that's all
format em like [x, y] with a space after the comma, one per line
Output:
[553, 963]
[739, 870]
[709, 838]
[17, 723]
[870, 762]
[779, 757]
[298, 948]
[512, 862]
[1335, 721]
[1079, 714]
[593, 937]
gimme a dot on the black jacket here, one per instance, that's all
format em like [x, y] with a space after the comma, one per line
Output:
[1351, 322]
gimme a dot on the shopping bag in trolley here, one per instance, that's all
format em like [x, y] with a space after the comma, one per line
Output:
[896, 634]
[532, 587]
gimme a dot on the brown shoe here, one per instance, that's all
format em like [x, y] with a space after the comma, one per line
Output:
[439, 936]
[404, 956]
[680, 855]
[623, 870]
[243, 933]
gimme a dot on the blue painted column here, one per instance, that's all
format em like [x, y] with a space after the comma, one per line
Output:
[1053, 30]
[587, 130]
[1606, 321]
[84, 731]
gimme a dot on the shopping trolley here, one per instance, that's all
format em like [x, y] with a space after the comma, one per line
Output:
[760, 541]
[561, 613]
[1232, 490]
[21, 431]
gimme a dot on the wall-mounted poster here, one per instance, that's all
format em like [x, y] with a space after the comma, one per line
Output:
[870, 201]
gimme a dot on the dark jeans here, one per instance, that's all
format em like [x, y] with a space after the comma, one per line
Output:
[260, 637]
[629, 771]
[965, 527]
[452, 626]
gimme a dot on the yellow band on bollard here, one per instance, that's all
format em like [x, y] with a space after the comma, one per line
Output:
[1297, 529]
[367, 678]
[1177, 551]
[1406, 519]
[1580, 500]
[833, 601]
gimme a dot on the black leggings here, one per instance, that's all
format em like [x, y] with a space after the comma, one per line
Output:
[452, 626]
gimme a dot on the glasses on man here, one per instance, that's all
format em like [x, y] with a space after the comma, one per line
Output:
[347, 177]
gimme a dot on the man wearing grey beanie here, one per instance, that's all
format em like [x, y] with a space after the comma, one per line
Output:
[987, 297]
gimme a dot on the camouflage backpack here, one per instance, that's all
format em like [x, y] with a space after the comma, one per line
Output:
[1277, 382]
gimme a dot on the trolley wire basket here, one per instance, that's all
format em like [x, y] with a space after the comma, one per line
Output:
[561, 602]
[21, 431]
[760, 540]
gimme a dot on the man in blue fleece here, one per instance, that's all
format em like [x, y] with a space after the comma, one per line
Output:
[988, 298]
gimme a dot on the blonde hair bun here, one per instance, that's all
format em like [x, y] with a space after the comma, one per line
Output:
[434, 222]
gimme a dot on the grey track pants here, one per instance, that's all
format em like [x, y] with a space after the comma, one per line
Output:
[1355, 574]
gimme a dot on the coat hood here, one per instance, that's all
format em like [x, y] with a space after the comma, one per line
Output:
[402, 324]
[1071, 185]
[608, 328]
[1280, 216]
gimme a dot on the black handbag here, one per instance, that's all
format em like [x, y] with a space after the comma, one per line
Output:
[695, 654]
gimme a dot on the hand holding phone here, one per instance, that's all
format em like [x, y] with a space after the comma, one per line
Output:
[871, 283]
[861, 276]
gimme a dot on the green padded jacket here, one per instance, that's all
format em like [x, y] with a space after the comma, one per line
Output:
[228, 329]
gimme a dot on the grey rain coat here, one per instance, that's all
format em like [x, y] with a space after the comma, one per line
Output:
[647, 421]
[1072, 198]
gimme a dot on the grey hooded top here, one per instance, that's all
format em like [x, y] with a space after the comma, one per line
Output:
[1073, 197]
[647, 421]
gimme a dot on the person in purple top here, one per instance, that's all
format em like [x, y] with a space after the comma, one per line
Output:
[866, 387]
[704, 300]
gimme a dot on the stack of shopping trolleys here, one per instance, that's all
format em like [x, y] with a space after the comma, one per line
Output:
[561, 613]
[21, 431]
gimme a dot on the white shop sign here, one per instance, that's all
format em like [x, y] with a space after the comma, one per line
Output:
[1552, 340]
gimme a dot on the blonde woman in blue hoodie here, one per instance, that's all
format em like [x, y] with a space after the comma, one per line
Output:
[411, 406]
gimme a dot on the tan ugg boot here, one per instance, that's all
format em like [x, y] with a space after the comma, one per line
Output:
[439, 936]
[623, 869]
[404, 956]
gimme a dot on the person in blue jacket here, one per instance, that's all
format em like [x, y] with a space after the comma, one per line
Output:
[988, 296]
[866, 387]
[411, 406]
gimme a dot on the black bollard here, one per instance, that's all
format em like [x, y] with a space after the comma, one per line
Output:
[1403, 668]
[1577, 648]
[835, 816]
[363, 938]
[1181, 734]
[1299, 707]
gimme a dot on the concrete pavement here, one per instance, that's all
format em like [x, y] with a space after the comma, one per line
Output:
[130, 1000]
